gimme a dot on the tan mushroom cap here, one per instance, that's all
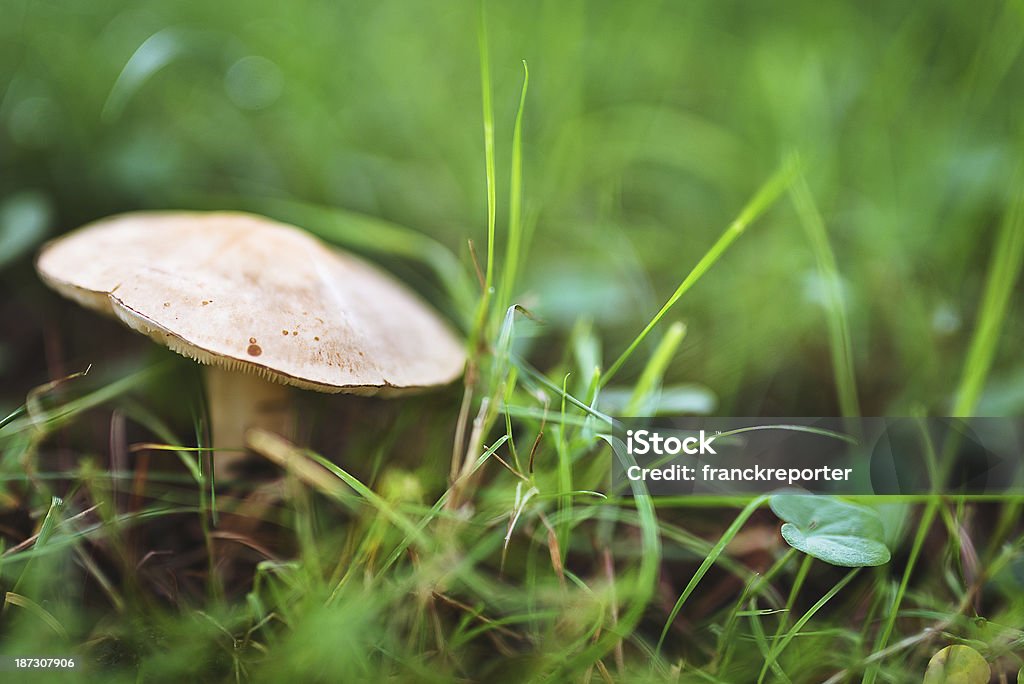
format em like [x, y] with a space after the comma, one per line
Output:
[253, 295]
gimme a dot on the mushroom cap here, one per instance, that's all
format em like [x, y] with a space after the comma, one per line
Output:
[254, 295]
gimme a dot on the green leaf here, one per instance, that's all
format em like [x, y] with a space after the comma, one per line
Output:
[156, 52]
[36, 610]
[958, 665]
[832, 530]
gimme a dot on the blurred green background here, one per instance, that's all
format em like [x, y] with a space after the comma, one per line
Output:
[647, 127]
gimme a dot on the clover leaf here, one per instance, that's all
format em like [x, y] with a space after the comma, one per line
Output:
[832, 530]
[958, 665]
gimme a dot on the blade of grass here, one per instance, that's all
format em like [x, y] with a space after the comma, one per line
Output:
[643, 588]
[50, 419]
[761, 639]
[489, 174]
[388, 511]
[924, 524]
[835, 308]
[182, 452]
[794, 592]
[764, 198]
[28, 549]
[539, 378]
[200, 424]
[709, 560]
[37, 610]
[34, 404]
[488, 116]
[45, 532]
[651, 377]
[324, 476]
[152, 55]
[16, 413]
[890, 623]
[515, 203]
[1004, 269]
[564, 475]
[436, 509]
[101, 578]
[752, 589]
[779, 647]
[207, 497]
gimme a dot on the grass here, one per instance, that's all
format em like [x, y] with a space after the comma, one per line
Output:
[472, 534]
[1004, 272]
[840, 339]
[759, 203]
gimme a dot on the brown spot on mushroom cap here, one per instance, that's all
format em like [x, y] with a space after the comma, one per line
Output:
[254, 350]
[382, 335]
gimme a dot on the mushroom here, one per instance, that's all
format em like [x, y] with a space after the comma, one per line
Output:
[262, 304]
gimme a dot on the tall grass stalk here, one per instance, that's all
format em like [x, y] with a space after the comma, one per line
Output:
[835, 306]
[515, 203]
[1004, 269]
[794, 631]
[641, 590]
[771, 661]
[489, 174]
[764, 198]
[708, 561]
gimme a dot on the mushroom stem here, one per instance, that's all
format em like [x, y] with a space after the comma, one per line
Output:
[238, 402]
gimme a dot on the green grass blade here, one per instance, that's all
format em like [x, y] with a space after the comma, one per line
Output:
[382, 506]
[50, 419]
[37, 610]
[539, 378]
[45, 532]
[301, 462]
[489, 175]
[651, 377]
[1004, 269]
[488, 116]
[643, 587]
[894, 610]
[794, 592]
[806, 617]
[715, 552]
[838, 325]
[515, 203]
[764, 198]
[761, 639]
[16, 413]
[436, 509]
[755, 586]
[564, 474]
